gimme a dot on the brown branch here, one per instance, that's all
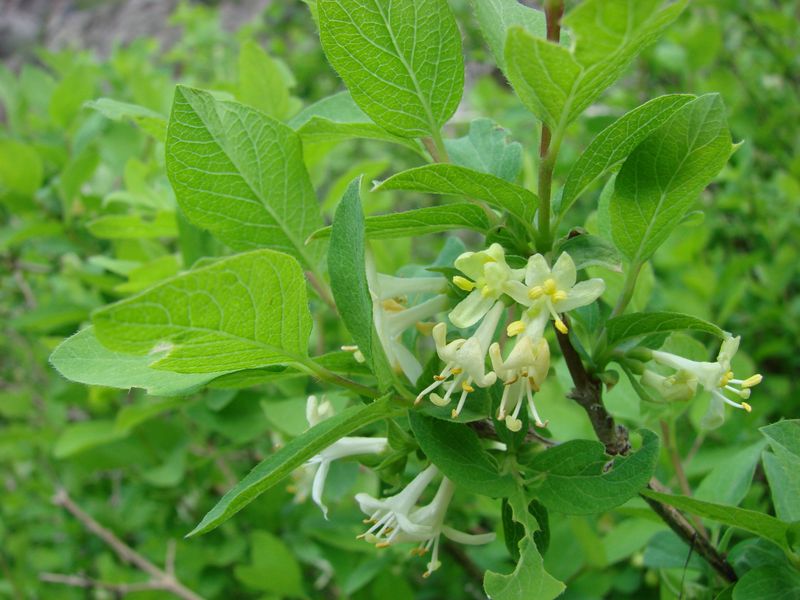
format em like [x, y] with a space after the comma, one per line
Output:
[159, 579]
[681, 525]
[588, 392]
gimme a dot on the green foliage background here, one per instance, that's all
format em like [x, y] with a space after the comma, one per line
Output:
[88, 217]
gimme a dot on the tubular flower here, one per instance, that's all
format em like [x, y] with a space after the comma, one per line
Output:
[549, 292]
[385, 514]
[679, 387]
[424, 525]
[392, 316]
[523, 372]
[716, 377]
[464, 361]
[488, 278]
[320, 464]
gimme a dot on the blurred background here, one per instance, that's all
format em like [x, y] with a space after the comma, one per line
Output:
[87, 217]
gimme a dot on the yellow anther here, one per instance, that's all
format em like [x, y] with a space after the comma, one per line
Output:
[535, 292]
[512, 381]
[463, 283]
[486, 291]
[559, 295]
[382, 545]
[745, 393]
[515, 328]
[534, 385]
[392, 305]
[726, 379]
[467, 387]
[561, 326]
[753, 380]
[457, 371]
[425, 328]
[426, 574]
[439, 377]
[349, 348]
[747, 407]
[549, 286]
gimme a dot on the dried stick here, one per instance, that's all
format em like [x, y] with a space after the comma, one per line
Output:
[160, 579]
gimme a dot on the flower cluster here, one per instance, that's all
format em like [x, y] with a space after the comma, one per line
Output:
[541, 292]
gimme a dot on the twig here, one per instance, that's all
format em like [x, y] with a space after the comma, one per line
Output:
[486, 429]
[322, 291]
[89, 583]
[680, 525]
[159, 579]
[588, 392]
[683, 482]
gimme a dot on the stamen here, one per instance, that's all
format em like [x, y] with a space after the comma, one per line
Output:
[467, 387]
[561, 326]
[535, 292]
[457, 410]
[463, 283]
[486, 291]
[501, 412]
[752, 381]
[425, 327]
[457, 371]
[439, 380]
[349, 348]
[725, 379]
[512, 424]
[559, 296]
[744, 393]
[532, 408]
[549, 286]
[515, 328]
[747, 407]
[392, 305]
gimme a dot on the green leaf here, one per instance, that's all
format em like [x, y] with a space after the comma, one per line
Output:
[240, 174]
[486, 148]
[21, 173]
[590, 251]
[133, 227]
[151, 122]
[71, 93]
[783, 467]
[241, 312]
[84, 359]
[753, 521]
[85, 435]
[400, 59]
[576, 478]
[458, 215]
[273, 567]
[262, 83]
[662, 177]
[495, 17]
[730, 478]
[460, 181]
[636, 325]
[457, 451]
[280, 464]
[338, 118]
[612, 145]
[557, 85]
[528, 580]
[346, 265]
[768, 583]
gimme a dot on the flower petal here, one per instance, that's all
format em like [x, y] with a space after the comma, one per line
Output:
[564, 272]
[407, 362]
[537, 271]
[319, 485]
[582, 294]
[471, 264]
[518, 291]
[471, 309]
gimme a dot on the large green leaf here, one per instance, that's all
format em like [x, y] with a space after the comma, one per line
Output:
[148, 120]
[636, 325]
[457, 451]
[241, 312]
[576, 477]
[613, 145]
[262, 82]
[458, 215]
[557, 84]
[664, 174]
[280, 464]
[337, 118]
[495, 17]
[589, 250]
[528, 580]
[240, 174]
[753, 521]
[84, 359]
[400, 59]
[346, 265]
[768, 582]
[782, 467]
[461, 181]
